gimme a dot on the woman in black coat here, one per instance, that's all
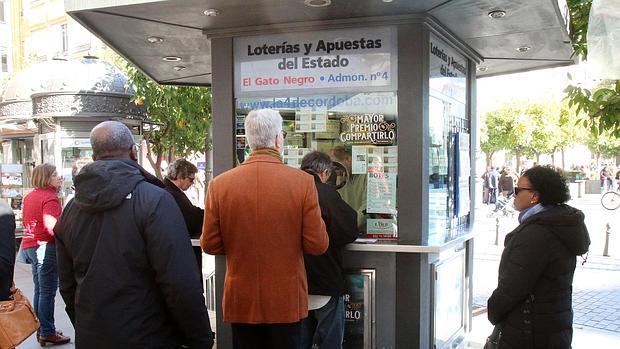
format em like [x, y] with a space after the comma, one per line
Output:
[7, 249]
[532, 303]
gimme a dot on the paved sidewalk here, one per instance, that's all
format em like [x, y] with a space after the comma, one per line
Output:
[23, 280]
[596, 285]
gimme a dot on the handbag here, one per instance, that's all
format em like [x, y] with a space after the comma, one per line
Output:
[17, 320]
[493, 340]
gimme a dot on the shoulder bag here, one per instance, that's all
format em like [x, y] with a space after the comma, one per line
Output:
[17, 320]
[494, 338]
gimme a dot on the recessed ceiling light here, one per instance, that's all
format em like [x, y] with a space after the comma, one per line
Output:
[524, 48]
[154, 39]
[178, 67]
[171, 58]
[212, 12]
[317, 3]
[482, 68]
[497, 14]
[387, 0]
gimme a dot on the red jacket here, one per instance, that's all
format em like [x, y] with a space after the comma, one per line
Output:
[37, 204]
[264, 215]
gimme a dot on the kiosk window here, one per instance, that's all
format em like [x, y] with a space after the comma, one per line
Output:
[358, 131]
[448, 134]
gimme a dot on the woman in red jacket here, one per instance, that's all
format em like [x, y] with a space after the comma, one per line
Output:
[40, 212]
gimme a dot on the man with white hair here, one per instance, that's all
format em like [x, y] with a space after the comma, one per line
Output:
[264, 215]
[125, 263]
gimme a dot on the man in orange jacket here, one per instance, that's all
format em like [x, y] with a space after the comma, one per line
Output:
[264, 215]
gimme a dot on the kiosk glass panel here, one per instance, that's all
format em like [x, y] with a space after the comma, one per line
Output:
[448, 153]
[358, 131]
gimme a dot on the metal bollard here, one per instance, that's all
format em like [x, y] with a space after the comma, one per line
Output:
[607, 233]
[496, 231]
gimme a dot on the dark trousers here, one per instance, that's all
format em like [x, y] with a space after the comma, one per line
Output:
[266, 336]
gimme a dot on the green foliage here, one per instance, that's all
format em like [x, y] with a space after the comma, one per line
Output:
[505, 128]
[603, 145]
[182, 114]
[599, 107]
[180, 117]
[529, 128]
[579, 14]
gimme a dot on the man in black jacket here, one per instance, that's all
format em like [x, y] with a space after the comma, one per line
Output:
[181, 175]
[126, 270]
[7, 249]
[325, 322]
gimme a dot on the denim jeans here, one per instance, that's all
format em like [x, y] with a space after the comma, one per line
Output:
[45, 278]
[324, 327]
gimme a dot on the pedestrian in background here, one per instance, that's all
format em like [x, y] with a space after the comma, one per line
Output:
[7, 249]
[506, 182]
[127, 274]
[532, 304]
[264, 215]
[494, 185]
[181, 175]
[324, 325]
[603, 177]
[486, 185]
[41, 209]
[75, 169]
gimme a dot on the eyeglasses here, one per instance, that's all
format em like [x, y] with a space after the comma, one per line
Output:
[284, 133]
[192, 178]
[517, 190]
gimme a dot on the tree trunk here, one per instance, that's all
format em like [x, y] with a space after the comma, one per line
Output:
[563, 159]
[155, 163]
[489, 159]
[537, 158]
[171, 157]
[553, 159]
[518, 157]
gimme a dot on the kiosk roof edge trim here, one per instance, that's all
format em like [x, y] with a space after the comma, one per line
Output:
[126, 25]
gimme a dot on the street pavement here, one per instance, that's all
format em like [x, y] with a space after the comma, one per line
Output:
[596, 285]
[23, 280]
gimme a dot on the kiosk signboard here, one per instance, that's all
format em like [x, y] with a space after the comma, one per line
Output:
[330, 59]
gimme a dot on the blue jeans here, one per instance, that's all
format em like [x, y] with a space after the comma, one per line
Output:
[45, 278]
[324, 327]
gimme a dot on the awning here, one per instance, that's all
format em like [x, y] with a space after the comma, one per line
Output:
[509, 35]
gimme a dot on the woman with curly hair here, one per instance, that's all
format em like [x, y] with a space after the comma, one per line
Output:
[532, 304]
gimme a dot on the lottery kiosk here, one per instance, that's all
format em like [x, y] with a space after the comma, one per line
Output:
[392, 106]
[388, 90]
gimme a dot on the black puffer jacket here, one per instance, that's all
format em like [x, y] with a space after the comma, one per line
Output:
[533, 299]
[125, 263]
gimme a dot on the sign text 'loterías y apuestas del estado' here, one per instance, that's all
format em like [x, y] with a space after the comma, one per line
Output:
[315, 60]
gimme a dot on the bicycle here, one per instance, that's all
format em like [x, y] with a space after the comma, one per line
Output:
[611, 199]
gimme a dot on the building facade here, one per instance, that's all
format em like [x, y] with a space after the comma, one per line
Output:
[40, 30]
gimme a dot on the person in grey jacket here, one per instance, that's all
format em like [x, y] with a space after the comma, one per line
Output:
[7, 249]
[532, 304]
[126, 267]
